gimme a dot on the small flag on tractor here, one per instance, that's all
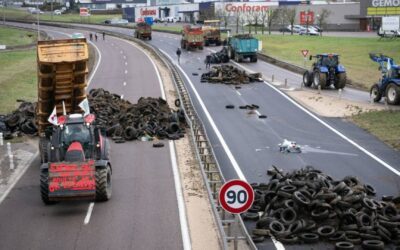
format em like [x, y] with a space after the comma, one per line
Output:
[53, 117]
[84, 105]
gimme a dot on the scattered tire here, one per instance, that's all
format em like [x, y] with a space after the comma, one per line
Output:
[309, 237]
[344, 245]
[177, 103]
[158, 145]
[262, 116]
[230, 106]
[373, 245]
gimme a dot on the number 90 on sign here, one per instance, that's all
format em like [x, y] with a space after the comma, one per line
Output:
[236, 196]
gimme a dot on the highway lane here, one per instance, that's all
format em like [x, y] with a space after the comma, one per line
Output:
[143, 211]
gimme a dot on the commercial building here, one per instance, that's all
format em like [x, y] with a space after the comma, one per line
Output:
[372, 11]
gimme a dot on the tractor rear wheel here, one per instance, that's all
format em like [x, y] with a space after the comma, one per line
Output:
[319, 79]
[307, 79]
[341, 81]
[375, 94]
[393, 94]
[206, 43]
[103, 184]
[44, 187]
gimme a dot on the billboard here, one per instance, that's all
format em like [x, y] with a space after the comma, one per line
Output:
[306, 17]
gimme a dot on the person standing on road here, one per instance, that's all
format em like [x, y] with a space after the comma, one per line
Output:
[95, 37]
[178, 53]
[208, 61]
[104, 36]
[91, 36]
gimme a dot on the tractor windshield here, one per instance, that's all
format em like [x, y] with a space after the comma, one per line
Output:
[76, 132]
[330, 61]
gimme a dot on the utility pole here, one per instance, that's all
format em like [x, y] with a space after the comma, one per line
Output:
[51, 4]
[4, 11]
[38, 23]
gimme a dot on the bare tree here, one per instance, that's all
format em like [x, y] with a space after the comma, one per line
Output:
[272, 18]
[237, 16]
[263, 19]
[321, 18]
[223, 15]
[242, 20]
[249, 18]
[291, 17]
[282, 17]
[256, 19]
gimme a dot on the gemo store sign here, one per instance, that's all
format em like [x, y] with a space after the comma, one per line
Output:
[243, 7]
[386, 3]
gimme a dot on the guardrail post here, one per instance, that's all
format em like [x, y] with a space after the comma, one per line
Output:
[272, 78]
[10, 155]
[285, 82]
[340, 93]
[319, 89]
[1, 139]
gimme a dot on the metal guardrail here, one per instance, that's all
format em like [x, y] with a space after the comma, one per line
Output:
[209, 166]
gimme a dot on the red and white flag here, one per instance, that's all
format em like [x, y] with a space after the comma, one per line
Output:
[53, 117]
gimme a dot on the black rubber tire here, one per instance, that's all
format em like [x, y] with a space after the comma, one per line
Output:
[276, 227]
[375, 93]
[177, 103]
[307, 79]
[149, 37]
[373, 245]
[230, 106]
[326, 231]
[44, 187]
[158, 145]
[288, 216]
[251, 216]
[344, 245]
[341, 81]
[130, 133]
[392, 94]
[338, 235]
[44, 157]
[309, 237]
[103, 184]
[319, 79]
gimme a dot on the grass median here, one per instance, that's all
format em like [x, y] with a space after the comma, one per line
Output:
[383, 124]
[353, 52]
[15, 37]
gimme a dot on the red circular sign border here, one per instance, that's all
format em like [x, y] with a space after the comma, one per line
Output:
[246, 186]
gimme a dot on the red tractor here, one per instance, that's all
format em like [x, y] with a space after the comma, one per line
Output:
[192, 37]
[77, 162]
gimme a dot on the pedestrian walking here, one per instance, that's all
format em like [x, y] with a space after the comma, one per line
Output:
[95, 37]
[104, 36]
[208, 61]
[178, 53]
[91, 36]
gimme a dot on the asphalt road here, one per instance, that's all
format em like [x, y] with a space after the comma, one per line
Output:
[143, 211]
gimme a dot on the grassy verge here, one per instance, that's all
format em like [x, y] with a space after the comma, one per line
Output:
[18, 78]
[12, 13]
[162, 27]
[353, 52]
[383, 124]
[14, 37]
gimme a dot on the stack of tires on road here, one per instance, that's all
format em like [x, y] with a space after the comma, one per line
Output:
[149, 117]
[308, 206]
[228, 74]
[22, 120]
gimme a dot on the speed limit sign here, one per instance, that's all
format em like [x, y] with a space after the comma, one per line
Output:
[236, 196]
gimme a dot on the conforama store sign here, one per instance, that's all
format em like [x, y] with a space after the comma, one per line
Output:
[235, 7]
[141, 13]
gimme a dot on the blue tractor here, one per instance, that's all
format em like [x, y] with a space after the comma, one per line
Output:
[389, 85]
[326, 71]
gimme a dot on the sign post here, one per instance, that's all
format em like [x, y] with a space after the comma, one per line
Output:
[305, 53]
[236, 197]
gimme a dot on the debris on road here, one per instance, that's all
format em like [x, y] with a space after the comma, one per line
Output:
[308, 206]
[21, 120]
[289, 147]
[150, 117]
[220, 56]
[228, 74]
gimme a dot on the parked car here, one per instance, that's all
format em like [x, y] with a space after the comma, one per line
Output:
[35, 11]
[284, 29]
[296, 28]
[157, 20]
[317, 28]
[57, 12]
[77, 35]
[310, 31]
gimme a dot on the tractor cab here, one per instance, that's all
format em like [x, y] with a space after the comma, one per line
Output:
[327, 60]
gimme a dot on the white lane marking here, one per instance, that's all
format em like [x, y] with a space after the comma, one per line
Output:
[211, 121]
[124, 83]
[187, 245]
[126, 71]
[376, 158]
[124, 57]
[238, 92]
[89, 213]
[121, 52]
[179, 196]
[126, 63]
[20, 172]
[228, 152]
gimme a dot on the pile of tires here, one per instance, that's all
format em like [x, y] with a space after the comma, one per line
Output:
[308, 206]
[124, 121]
[220, 56]
[20, 121]
[228, 74]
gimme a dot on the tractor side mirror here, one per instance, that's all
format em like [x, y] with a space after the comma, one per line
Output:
[310, 57]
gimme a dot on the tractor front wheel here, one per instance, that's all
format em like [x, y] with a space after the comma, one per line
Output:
[341, 81]
[307, 79]
[375, 94]
[319, 79]
[393, 94]
[103, 184]
[44, 187]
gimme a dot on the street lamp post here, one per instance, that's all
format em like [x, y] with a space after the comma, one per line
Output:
[51, 4]
[38, 23]
[4, 11]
